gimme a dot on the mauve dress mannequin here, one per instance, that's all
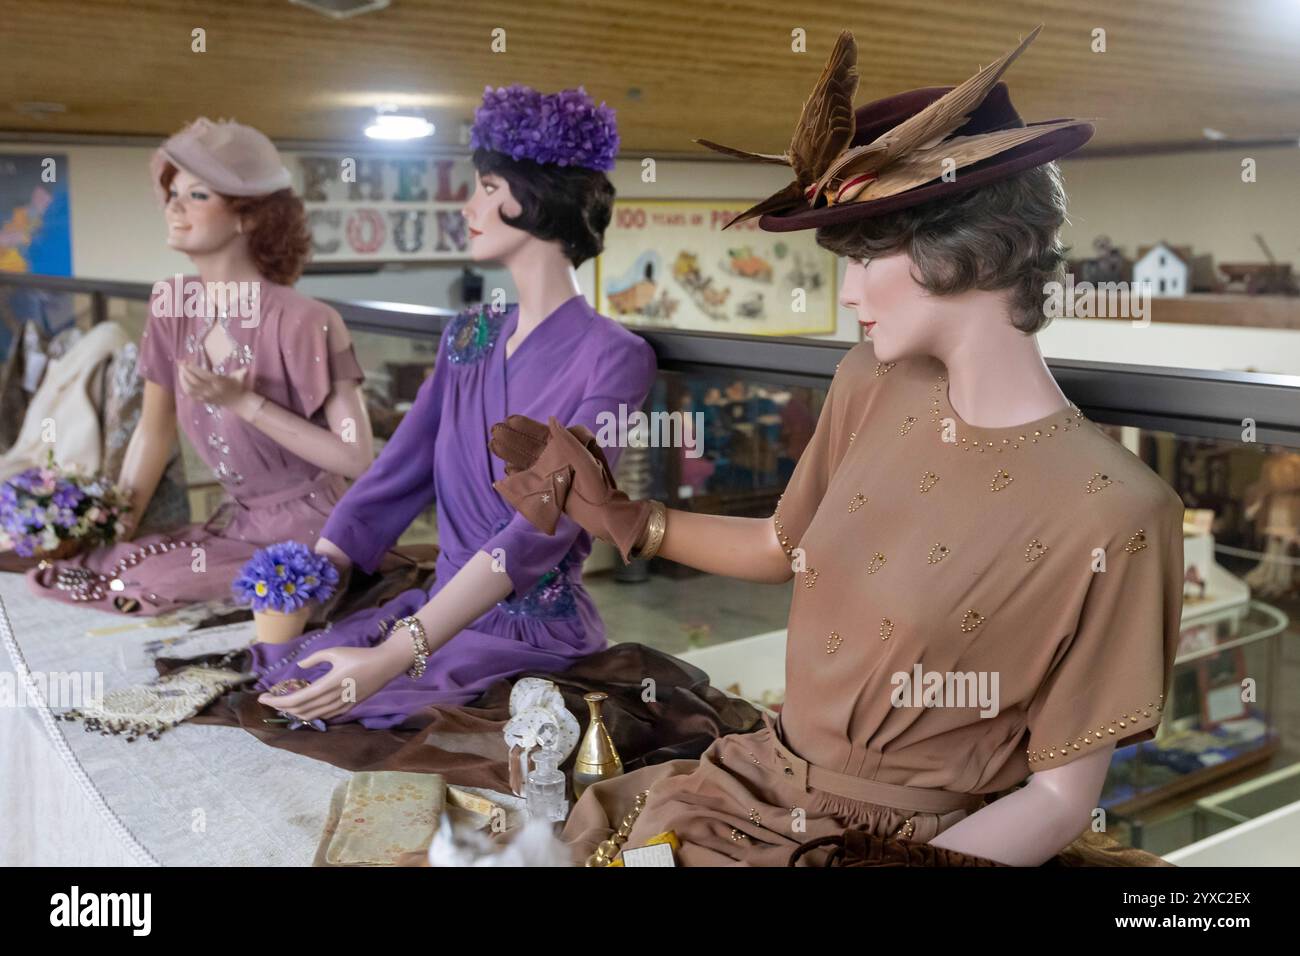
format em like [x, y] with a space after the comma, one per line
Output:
[271, 494]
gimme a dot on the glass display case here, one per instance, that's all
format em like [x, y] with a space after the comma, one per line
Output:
[745, 409]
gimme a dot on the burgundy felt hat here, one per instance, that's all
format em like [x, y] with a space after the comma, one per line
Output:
[880, 116]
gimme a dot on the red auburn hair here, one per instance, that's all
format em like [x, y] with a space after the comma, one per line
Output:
[279, 239]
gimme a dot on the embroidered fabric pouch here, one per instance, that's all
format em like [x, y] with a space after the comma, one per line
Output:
[150, 709]
[380, 816]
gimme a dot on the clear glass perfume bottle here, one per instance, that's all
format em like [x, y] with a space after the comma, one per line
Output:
[545, 789]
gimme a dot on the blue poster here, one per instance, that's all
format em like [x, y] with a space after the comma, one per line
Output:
[35, 225]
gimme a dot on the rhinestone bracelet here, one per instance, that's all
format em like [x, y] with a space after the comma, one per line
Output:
[413, 625]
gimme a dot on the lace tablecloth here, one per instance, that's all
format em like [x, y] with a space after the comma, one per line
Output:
[198, 796]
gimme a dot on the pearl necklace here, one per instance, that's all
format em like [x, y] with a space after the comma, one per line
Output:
[87, 585]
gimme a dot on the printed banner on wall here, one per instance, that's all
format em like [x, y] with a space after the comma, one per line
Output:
[668, 263]
[35, 223]
[385, 208]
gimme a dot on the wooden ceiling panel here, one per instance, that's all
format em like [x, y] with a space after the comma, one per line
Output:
[673, 69]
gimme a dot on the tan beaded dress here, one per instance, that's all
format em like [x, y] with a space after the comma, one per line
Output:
[972, 605]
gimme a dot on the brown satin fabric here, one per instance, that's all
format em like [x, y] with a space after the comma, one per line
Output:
[859, 848]
[466, 746]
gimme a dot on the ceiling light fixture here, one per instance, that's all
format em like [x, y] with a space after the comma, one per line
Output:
[341, 9]
[398, 126]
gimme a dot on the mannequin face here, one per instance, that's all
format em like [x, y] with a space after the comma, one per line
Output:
[198, 220]
[491, 239]
[882, 291]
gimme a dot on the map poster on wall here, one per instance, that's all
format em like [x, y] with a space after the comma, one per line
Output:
[668, 263]
[35, 225]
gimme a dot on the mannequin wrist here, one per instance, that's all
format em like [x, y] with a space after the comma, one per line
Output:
[248, 405]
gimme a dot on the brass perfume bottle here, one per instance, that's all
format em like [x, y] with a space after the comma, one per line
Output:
[597, 758]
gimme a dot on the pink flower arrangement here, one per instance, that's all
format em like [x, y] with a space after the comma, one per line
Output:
[41, 508]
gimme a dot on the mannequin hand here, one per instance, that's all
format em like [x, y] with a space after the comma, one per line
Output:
[566, 472]
[130, 524]
[355, 673]
[204, 386]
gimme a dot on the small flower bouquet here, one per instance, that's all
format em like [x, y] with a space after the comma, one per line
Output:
[52, 512]
[281, 582]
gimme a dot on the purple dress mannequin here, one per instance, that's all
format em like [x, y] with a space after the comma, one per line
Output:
[271, 494]
[575, 365]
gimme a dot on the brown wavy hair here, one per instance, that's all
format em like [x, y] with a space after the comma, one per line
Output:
[279, 238]
[1005, 235]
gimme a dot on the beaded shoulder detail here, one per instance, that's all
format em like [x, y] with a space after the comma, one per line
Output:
[473, 333]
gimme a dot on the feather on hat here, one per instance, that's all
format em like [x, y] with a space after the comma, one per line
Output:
[938, 134]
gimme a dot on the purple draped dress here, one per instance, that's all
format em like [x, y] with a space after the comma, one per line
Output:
[576, 365]
[294, 356]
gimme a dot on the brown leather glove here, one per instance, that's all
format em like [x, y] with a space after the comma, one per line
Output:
[552, 470]
[520, 440]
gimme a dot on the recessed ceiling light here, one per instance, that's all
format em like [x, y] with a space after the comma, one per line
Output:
[341, 9]
[1214, 134]
[399, 126]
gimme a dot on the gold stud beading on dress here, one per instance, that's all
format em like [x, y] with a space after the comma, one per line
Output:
[886, 628]
[856, 502]
[906, 427]
[937, 553]
[876, 563]
[971, 620]
[833, 642]
[928, 480]
[1035, 550]
[883, 367]
[1137, 542]
[810, 577]
[1000, 480]
[906, 830]
[780, 533]
[1073, 419]
[1097, 482]
[1122, 722]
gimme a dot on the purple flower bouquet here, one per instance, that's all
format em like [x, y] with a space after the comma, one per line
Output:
[53, 512]
[280, 582]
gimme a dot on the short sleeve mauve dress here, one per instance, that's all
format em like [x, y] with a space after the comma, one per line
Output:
[972, 605]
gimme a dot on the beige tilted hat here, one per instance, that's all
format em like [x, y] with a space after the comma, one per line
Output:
[233, 159]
